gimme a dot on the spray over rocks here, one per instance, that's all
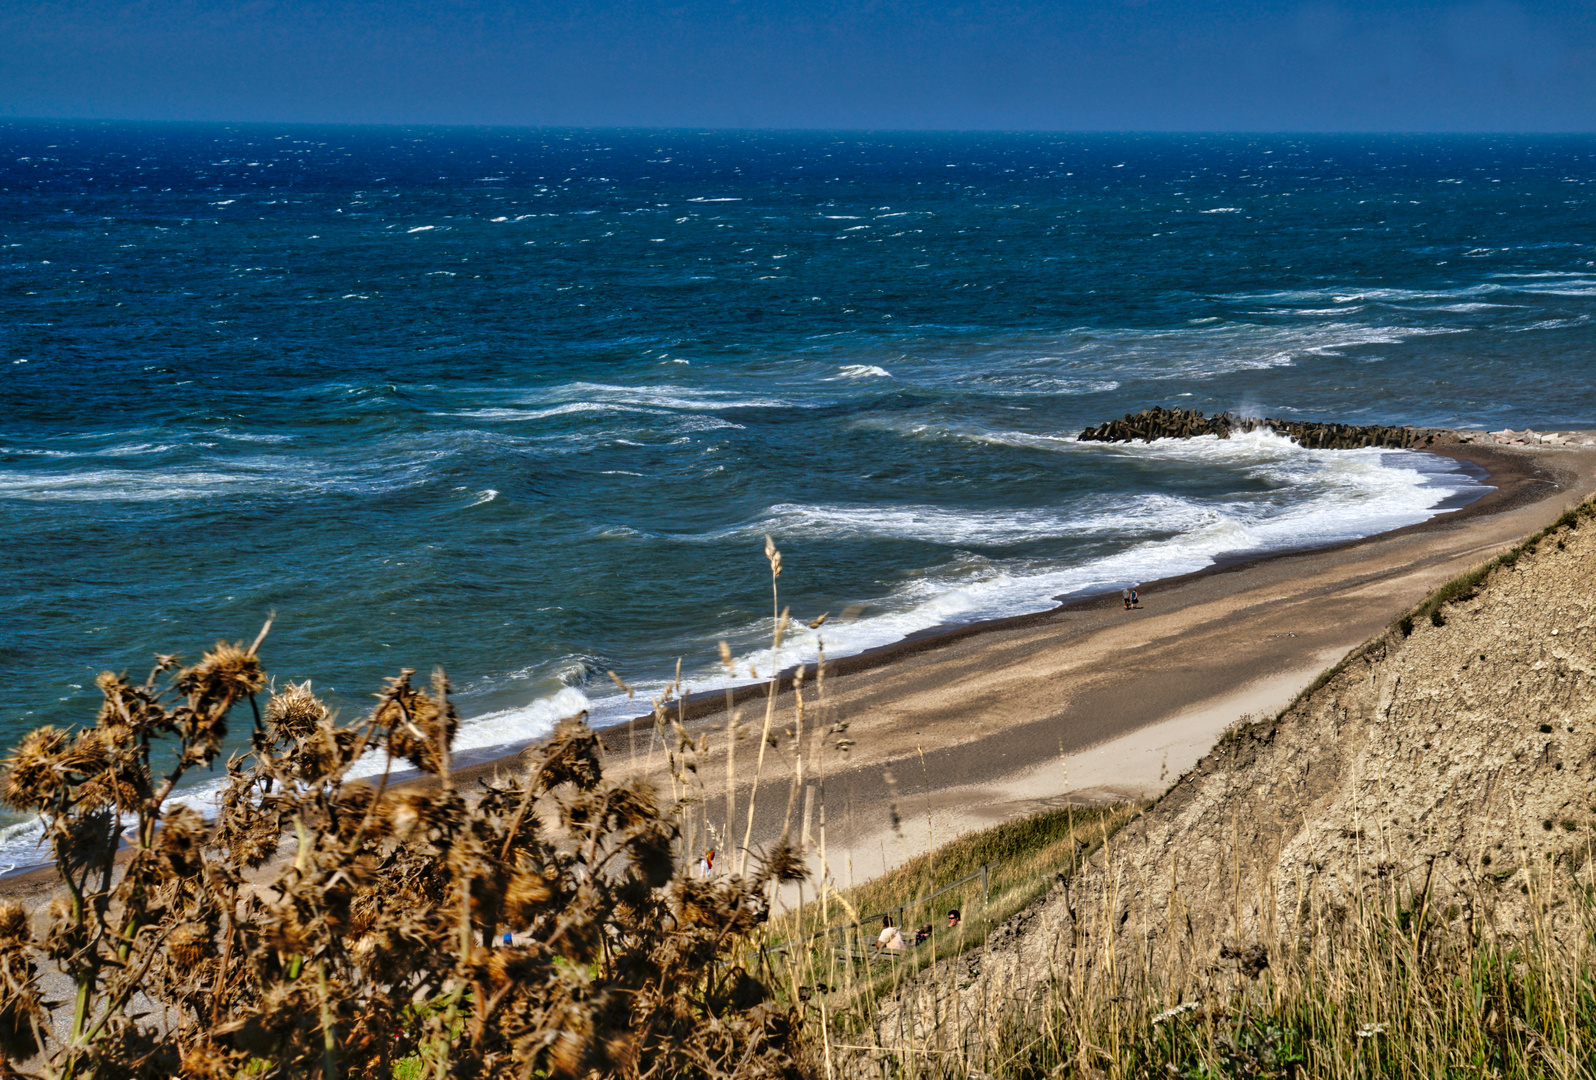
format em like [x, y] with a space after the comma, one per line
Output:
[1161, 423]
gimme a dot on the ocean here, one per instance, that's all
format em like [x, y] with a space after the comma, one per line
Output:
[526, 403]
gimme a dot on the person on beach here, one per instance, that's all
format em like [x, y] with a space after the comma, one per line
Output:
[1125, 595]
[890, 939]
[706, 865]
[1135, 599]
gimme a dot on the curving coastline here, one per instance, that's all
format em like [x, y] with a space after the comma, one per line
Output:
[1514, 478]
[893, 696]
[1086, 702]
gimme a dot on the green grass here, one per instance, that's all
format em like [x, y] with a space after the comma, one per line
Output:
[1397, 990]
[1389, 985]
[1031, 854]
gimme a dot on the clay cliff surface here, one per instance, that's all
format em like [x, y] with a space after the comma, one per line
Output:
[1451, 759]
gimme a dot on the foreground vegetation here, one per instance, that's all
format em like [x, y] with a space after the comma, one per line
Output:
[361, 943]
[1391, 987]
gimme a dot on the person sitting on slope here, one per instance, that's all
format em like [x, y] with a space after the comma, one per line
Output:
[890, 938]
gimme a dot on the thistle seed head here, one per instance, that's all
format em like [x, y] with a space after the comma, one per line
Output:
[14, 928]
[189, 945]
[228, 672]
[528, 892]
[35, 773]
[182, 833]
[295, 712]
[420, 727]
[571, 756]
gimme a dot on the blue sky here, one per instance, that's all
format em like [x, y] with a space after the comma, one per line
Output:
[1160, 65]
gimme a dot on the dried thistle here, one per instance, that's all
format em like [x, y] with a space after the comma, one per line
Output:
[571, 757]
[362, 945]
[420, 727]
[295, 712]
[36, 775]
[227, 673]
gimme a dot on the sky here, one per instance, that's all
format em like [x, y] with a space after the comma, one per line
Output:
[1093, 65]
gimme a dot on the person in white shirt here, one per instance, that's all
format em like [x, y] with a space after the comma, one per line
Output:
[890, 938]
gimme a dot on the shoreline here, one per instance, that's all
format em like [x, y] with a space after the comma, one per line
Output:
[1084, 702]
[1514, 478]
[1519, 478]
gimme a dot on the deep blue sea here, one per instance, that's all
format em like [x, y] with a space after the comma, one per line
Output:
[525, 403]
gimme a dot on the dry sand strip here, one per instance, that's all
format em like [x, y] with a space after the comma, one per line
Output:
[1090, 702]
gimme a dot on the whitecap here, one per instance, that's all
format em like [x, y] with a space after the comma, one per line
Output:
[860, 371]
[118, 485]
[670, 396]
[522, 724]
[505, 415]
[1552, 324]
[1326, 497]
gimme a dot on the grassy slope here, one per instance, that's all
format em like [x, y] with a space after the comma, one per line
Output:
[1030, 854]
[1384, 990]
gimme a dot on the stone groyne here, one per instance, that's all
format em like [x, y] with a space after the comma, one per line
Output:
[1161, 423]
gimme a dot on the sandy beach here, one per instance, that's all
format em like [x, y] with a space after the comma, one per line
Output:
[1088, 702]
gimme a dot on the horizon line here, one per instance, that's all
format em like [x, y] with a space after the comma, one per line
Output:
[795, 130]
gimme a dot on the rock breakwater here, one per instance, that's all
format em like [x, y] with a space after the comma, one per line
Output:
[1161, 423]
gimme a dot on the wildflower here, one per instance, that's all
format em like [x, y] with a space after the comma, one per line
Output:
[1178, 1010]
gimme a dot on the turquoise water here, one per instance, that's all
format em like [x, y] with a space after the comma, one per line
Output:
[526, 403]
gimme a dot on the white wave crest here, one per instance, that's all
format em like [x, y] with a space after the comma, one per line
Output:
[671, 396]
[1326, 497]
[860, 371]
[525, 723]
[119, 485]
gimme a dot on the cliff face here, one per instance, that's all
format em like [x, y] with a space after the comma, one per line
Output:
[1455, 761]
